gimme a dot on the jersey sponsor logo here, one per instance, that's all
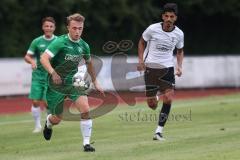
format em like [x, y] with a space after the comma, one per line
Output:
[73, 58]
[42, 45]
[163, 48]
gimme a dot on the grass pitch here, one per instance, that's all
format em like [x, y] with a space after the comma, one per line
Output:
[198, 129]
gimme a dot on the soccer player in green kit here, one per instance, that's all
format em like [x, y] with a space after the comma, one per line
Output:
[61, 60]
[39, 74]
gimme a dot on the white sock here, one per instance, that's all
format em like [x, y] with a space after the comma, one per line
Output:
[49, 124]
[159, 129]
[36, 113]
[86, 129]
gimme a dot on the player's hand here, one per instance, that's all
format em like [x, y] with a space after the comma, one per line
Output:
[56, 78]
[34, 65]
[98, 87]
[141, 66]
[178, 71]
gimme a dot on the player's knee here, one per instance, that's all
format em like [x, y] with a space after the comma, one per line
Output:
[167, 99]
[85, 115]
[152, 103]
[36, 103]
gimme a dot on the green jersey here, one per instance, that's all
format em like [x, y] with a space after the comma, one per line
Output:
[37, 47]
[66, 55]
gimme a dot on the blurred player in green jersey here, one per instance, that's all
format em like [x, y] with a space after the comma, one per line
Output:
[39, 74]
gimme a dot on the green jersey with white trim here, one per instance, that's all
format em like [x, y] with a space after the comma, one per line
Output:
[36, 49]
[66, 55]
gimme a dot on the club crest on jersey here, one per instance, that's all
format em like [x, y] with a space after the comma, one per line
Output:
[80, 49]
[69, 47]
[73, 58]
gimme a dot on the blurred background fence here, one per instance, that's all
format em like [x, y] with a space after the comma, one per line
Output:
[118, 74]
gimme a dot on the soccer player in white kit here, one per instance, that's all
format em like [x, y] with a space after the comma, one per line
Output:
[155, 55]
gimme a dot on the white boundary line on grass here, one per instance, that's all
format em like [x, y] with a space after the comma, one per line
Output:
[200, 102]
[206, 101]
[15, 122]
[181, 105]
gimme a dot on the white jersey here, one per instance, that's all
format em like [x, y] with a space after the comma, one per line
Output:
[160, 45]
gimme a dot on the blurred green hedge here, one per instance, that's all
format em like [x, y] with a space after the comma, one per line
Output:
[210, 26]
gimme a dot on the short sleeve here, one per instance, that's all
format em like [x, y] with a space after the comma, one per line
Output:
[32, 48]
[54, 48]
[180, 43]
[147, 34]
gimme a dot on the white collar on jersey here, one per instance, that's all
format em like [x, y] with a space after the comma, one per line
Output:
[49, 39]
[72, 39]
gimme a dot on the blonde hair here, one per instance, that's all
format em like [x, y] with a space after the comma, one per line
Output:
[75, 17]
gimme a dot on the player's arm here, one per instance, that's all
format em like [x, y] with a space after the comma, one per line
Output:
[141, 48]
[91, 71]
[45, 61]
[30, 59]
[180, 55]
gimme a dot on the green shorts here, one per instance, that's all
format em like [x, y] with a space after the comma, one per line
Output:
[38, 90]
[55, 98]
